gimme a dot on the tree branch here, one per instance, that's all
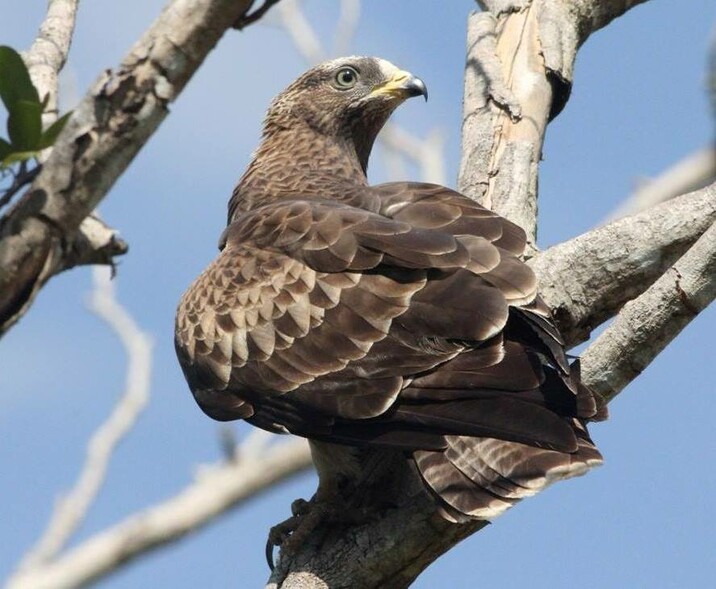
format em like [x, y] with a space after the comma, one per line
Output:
[48, 53]
[108, 128]
[507, 100]
[518, 75]
[346, 26]
[94, 242]
[217, 489]
[647, 324]
[72, 509]
[586, 280]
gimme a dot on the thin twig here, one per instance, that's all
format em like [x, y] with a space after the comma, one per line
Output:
[301, 32]
[21, 179]
[427, 154]
[346, 26]
[72, 509]
[695, 171]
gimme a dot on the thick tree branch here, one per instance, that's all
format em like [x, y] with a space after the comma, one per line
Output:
[586, 280]
[108, 128]
[647, 324]
[518, 75]
[217, 489]
[507, 99]
[94, 242]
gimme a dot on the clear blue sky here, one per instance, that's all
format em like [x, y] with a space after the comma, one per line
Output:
[645, 519]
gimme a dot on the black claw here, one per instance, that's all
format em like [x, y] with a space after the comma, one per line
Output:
[269, 554]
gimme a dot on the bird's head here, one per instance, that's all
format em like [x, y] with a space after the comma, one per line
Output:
[348, 99]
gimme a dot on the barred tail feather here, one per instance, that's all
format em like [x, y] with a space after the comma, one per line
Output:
[480, 478]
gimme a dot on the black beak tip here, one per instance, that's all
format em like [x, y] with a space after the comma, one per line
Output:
[416, 87]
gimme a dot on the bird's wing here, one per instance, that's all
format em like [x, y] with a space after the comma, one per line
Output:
[437, 207]
[422, 332]
[305, 289]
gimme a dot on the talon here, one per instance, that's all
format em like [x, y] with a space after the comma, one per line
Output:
[281, 532]
[269, 553]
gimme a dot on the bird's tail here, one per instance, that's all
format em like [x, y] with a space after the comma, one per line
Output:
[480, 478]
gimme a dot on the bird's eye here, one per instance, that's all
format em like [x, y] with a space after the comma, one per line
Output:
[346, 78]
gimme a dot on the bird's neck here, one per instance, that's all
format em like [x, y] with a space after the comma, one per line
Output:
[292, 163]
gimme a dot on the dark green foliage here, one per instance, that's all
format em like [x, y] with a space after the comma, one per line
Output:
[24, 123]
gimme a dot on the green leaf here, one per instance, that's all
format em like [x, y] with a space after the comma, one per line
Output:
[18, 156]
[50, 135]
[5, 149]
[15, 83]
[25, 125]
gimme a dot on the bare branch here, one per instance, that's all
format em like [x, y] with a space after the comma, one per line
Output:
[108, 128]
[346, 27]
[72, 509]
[427, 153]
[563, 26]
[302, 34]
[216, 490]
[48, 53]
[586, 280]
[647, 324]
[695, 171]
[94, 243]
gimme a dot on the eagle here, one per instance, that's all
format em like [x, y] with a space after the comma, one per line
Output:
[399, 316]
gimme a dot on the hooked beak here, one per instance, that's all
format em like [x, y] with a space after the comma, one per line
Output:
[401, 85]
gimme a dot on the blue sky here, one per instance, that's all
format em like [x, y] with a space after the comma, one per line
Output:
[638, 104]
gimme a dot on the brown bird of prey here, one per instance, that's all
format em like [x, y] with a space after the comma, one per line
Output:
[398, 316]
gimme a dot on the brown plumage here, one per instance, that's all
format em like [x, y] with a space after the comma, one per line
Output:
[397, 315]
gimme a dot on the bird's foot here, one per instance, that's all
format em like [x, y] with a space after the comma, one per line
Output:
[306, 516]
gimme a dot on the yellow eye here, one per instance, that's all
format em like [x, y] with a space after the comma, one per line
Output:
[346, 77]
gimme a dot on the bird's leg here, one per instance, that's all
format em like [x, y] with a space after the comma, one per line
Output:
[341, 475]
[325, 506]
[281, 532]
